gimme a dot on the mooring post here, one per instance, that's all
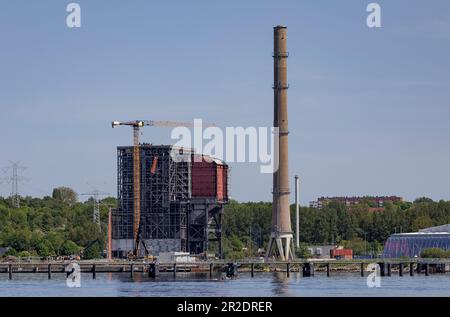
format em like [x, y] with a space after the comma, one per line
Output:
[288, 269]
[362, 269]
[381, 269]
[231, 270]
[174, 270]
[389, 269]
[49, 271]
[252, 268]
[94, 272]
[411, 269]
[400, 269]
[132, 270]
[211, 269]
[10, 271]
[328, 269]
[152, 270]
[419, 268]
[427, 269]
[308, 269]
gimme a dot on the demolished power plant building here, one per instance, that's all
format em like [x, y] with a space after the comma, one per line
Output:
[177, 205]
[181, 201]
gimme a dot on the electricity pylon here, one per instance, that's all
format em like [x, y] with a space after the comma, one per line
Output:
[14, 180]
[95, 194]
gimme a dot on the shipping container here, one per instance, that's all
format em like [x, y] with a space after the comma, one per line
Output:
[342, 253]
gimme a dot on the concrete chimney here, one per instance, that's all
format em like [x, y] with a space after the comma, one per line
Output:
[281, 243]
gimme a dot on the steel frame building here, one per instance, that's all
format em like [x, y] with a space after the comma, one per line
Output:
[172, 220]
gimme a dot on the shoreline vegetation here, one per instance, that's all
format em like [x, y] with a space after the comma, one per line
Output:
[61, 226]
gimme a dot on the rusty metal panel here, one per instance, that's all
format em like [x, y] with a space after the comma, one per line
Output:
[203, 177]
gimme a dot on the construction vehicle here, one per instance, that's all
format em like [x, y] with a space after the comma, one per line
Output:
[138, 242]
[136, 125]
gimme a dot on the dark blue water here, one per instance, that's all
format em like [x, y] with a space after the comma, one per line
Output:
[189, 284]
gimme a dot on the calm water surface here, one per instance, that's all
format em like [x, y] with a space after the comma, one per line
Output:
[199, 284]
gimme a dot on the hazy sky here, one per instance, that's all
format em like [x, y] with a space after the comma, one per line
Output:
[369, 108]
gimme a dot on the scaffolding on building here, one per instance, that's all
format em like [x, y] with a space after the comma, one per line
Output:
[171, 219]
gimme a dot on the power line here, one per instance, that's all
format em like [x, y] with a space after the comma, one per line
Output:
[14, 180]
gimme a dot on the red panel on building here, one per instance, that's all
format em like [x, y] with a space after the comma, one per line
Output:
[222, 176]
[209, 178]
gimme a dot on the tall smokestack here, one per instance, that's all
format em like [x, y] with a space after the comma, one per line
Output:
[281, 236]
[297, 212]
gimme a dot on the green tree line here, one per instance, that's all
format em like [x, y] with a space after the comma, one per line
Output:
[247, 225]
[61, 225]
[52, 226]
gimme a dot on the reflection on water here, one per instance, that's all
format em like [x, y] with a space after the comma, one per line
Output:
[280, 284]
[200, 284]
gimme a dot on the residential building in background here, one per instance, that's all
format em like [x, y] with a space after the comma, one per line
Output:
[376, 202]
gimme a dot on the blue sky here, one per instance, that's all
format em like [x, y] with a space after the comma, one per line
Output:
[369, 109]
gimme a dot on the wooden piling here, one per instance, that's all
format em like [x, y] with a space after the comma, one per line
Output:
[328, 269]
[252, 269]
[389, 269]
[10, 271]
[94, 272]
[411, 269]
[211, 269]
[427, 269]
[49, 271]
[132, 270]
[152, 270]
[308, 270]
[174, 270]
[400, 269]
[382, 271]
[362, 269]
[288, 269]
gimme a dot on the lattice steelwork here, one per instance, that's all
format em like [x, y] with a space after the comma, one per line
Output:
[205, 226]
[167, 210]
[164, 194]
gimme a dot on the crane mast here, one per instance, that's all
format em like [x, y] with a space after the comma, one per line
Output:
[136, 184]
[136, 125]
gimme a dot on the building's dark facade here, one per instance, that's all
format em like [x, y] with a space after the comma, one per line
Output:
[179, 212]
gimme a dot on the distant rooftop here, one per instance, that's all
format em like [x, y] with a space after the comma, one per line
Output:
[437, 229]
[359, 198]
[431, 231]
[420, 234]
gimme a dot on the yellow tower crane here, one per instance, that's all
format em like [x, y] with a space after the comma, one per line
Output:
[136, 125]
